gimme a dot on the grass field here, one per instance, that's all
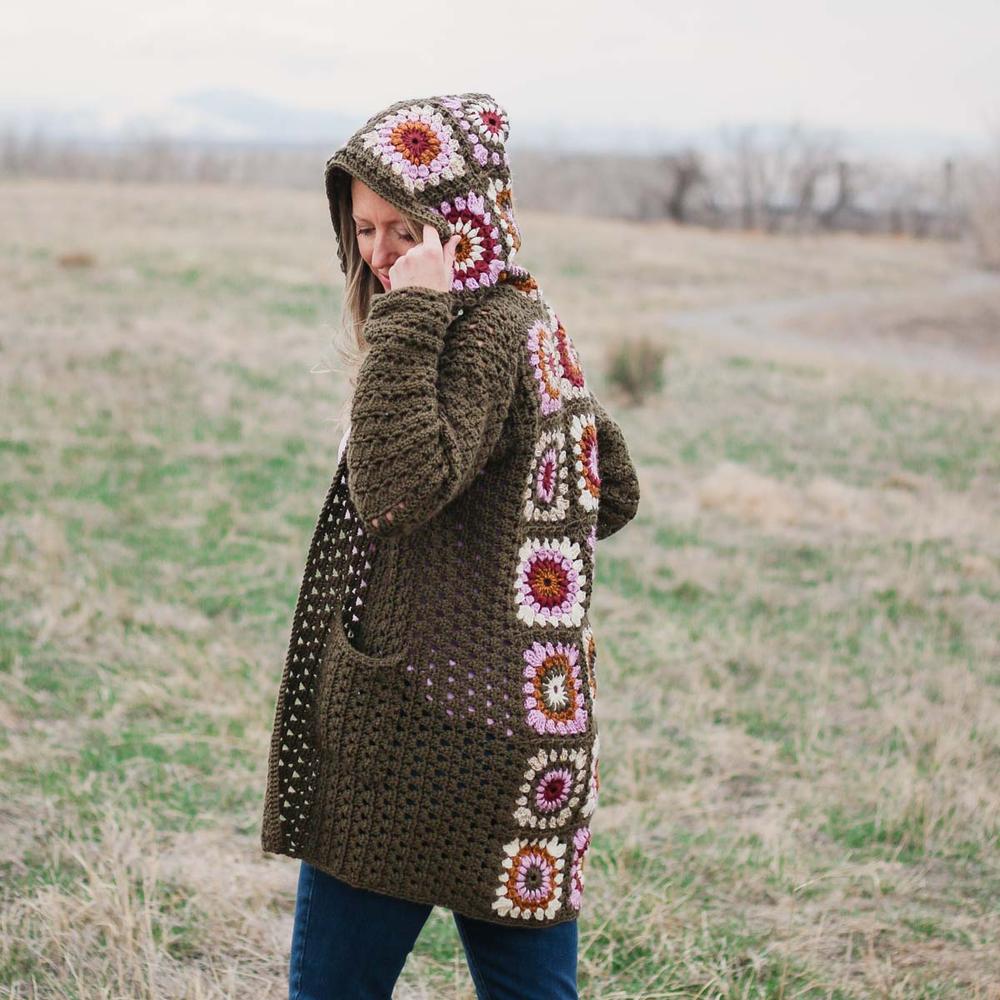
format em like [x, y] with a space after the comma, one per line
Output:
[800, 668]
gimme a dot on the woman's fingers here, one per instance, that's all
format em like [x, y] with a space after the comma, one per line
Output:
[388, 514]
[428, 263]
[449, 254]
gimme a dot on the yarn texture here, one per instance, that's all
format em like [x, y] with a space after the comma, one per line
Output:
[434, 734]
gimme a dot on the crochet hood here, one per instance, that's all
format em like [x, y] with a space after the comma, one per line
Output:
[444, 161]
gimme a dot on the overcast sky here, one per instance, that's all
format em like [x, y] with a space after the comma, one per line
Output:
[918, 65]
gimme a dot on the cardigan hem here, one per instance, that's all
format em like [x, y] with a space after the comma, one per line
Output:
[433, 900]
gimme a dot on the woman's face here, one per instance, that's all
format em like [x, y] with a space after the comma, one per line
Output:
[381, 232]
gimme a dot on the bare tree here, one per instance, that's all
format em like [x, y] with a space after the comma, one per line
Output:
[842, 201]
[685, 171]
[774, 181]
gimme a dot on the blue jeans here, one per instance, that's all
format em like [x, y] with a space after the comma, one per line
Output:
[352, 944]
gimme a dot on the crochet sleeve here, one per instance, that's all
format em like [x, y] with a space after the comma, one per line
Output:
[619, 497]
[430, 402]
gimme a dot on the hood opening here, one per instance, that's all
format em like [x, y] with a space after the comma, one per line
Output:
[444, 161]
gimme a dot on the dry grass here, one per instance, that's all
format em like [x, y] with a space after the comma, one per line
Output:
[799, 664]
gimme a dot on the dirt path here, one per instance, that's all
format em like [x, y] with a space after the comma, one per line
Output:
[788, 327]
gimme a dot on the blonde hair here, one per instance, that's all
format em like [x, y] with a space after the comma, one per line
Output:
[360, 287]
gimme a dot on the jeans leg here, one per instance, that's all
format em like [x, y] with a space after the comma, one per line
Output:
[520, 963]
[347, 942]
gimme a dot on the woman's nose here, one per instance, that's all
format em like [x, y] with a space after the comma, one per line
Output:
[382, 256]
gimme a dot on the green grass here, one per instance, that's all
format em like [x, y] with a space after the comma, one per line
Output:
[800, 755]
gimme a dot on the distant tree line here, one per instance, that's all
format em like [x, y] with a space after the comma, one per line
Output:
[797, 181]
[793, 180]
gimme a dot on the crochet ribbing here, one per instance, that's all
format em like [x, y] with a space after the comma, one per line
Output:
[434, 735]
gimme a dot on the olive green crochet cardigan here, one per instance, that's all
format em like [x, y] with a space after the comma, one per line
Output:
[434, 735]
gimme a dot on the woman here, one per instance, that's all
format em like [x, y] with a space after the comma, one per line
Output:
[435, 740]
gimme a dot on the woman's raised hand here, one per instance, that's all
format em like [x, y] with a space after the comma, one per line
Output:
[428, 264]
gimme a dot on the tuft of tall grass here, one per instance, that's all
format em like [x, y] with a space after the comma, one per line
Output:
[635, 367]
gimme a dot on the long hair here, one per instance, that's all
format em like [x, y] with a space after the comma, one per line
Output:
[360, 287]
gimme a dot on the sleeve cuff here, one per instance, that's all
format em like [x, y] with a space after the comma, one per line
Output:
[415, 312]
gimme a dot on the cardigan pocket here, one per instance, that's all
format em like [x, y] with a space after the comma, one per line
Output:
[320, 659]
[355, 688]
[360, 696]
[341, 647]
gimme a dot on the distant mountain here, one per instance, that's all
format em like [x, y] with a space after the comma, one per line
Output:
[264, 120]
[239, 116]
[197, 116]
